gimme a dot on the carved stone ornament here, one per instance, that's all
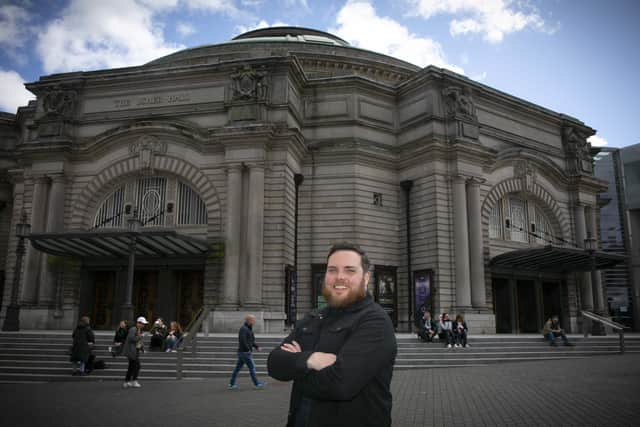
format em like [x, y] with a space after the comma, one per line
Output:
[249, 84]
[526, 173]
[146, 148]
[59, 102]
[577, 150]
[458, 102]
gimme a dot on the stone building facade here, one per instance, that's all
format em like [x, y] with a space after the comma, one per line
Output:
[267, 149]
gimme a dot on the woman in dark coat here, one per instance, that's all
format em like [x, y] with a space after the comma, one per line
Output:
[83, 341]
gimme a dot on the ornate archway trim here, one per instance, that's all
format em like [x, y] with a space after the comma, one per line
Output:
[109, 175]
[514, 185]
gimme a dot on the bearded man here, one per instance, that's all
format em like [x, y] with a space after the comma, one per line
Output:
[340, 358]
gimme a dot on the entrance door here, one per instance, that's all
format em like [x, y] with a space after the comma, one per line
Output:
[145, 294]
[527, 307]
[503, 306]
[551, 299]
[190, 295]
[102, 310]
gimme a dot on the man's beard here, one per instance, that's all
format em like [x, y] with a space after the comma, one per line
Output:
[353, 296]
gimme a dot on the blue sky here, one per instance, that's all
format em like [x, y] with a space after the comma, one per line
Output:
[579, 58]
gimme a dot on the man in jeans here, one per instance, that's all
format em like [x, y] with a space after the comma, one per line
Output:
[246, 343]
[552, 330]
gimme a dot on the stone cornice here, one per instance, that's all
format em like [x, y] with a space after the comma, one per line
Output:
[587, 184]
[350, 151]
[542, 163]
[483, 93]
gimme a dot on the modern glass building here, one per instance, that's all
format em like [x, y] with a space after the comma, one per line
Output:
[614, 235]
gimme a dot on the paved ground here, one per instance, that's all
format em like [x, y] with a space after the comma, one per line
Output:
[601, 391]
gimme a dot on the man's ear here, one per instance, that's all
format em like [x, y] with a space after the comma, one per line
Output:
[367, 277]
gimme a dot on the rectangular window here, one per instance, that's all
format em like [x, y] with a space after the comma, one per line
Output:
[519, 223]
[495, 222]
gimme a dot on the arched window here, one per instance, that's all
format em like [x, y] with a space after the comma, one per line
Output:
[111, 211]
[191, 208]
[159, 202]
[519, 219]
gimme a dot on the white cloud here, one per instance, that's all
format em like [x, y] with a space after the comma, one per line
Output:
[492, 18]
[13, 92]
[597, 141]
[479, 77]
[14, 26]
[302, 3]
[159, 5]
[185, 29]
[241, 29]
[92, 35]
[211, 5]
[116, 33]
[359, 24]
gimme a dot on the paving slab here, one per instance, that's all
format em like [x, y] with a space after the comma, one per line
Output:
[596, 391]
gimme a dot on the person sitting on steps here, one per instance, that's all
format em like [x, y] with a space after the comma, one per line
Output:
[445, 329]
[552, 330]
[174, 336]
[158, 334]
[427, 328]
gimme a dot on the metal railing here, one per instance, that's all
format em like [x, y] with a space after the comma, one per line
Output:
[606, 322]
[190, 338]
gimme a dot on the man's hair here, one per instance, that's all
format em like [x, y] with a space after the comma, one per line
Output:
[346, 246]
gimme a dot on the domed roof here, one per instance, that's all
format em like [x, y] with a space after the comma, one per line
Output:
[320, 54]
[300, 34]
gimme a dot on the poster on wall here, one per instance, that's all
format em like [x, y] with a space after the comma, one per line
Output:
[422, 282]
[291, 294]
[385, 290]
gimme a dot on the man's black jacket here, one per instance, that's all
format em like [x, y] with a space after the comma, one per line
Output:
[246, 339]
[355, 390]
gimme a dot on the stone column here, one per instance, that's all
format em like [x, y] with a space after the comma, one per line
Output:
[253, 294]
[233, 240]
[34, 257]
[585, 278]
[55, 223]
[461, 240]
[476, 253]
[596, 276]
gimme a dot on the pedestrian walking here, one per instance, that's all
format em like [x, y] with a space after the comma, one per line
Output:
[246, 344]
[132, 348]
[340, 358]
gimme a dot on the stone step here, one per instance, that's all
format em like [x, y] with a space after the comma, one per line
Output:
[33, 356]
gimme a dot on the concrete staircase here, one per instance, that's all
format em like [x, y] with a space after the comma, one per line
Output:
[33, 356]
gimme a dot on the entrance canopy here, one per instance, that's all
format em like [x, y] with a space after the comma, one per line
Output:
[116, 244]
[555, 259]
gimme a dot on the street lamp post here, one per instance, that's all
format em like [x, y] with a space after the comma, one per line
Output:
[12, 318]
[134, 226]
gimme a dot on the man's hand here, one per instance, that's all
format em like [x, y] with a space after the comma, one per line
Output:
[294, 347]
[319, 360]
